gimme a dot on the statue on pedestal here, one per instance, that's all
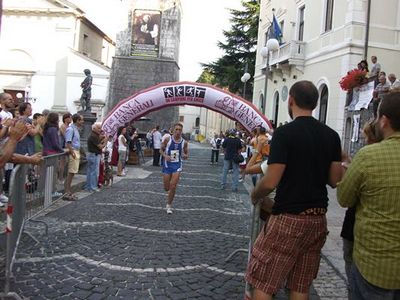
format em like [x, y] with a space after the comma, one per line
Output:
[86, 86]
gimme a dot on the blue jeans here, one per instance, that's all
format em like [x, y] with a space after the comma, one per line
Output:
[92, 170]
[363, 290]
[235, 174]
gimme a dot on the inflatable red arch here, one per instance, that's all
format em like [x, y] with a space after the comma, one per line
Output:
[184, 93]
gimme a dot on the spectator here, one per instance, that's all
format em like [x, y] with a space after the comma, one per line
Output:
[16, 132]
[232, 147]
[376, 67]
[38, 122]
[305, 156]
[371, 136]
[27, 145]
[45, 113]
[51, 141]
[156, 146]
[393, 81]
[215, 146]
[6, 116]
[242, 165]
[381, 89]
[95, 148]
[149, 140]
[371, 185]
[67, 120]
[73, 143]
[122, 151]
[363, 65]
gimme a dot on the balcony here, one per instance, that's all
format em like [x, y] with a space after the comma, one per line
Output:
[289, 54]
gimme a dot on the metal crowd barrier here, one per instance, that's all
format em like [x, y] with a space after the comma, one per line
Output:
[254, 231]
[32, 190]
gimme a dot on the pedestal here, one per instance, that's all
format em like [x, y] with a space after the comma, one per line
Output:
[89, 119]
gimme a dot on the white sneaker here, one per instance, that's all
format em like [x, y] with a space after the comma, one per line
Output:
[3, 198]
[169, 209]
[2, 204]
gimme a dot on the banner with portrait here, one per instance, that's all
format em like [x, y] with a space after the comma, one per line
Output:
[146, 32]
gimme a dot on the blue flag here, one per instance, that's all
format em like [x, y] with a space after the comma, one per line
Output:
[275, 30]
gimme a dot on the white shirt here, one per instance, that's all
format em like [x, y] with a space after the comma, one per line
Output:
[395, 84]
[157, 139]
[244, 154]
[121, 146]
[4, 115]
[109, 148]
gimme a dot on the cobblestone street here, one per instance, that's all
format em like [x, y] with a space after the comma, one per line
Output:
[120, 243]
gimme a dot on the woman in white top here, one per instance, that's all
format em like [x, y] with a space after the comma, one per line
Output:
[122, 151]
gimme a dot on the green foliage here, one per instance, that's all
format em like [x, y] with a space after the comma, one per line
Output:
[206, 77]
[239, 48]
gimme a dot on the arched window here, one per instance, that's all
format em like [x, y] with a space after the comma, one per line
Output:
[197, 124]
[323, 103]
[276, 107]
[261, 104]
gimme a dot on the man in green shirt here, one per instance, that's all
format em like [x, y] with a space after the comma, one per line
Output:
[372, 185]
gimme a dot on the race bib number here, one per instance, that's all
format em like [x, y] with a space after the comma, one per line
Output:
[174, 155]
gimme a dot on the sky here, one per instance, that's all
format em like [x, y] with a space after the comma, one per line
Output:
[202, 24]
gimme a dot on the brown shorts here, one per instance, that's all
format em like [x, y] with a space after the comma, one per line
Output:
[287, 250]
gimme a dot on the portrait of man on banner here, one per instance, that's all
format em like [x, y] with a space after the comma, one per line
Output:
[146, 30]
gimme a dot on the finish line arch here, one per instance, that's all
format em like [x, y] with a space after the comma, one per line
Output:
[184, 93]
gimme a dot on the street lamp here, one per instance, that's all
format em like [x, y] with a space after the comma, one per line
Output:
[272, 45]
[246, 76]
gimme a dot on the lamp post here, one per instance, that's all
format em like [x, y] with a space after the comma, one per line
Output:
[246, 76]
[272, 45]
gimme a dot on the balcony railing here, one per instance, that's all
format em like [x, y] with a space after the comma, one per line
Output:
[292, 53]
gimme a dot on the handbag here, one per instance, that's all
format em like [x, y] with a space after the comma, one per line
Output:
[238, 158]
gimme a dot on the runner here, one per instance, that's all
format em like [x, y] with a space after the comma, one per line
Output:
[173, 149]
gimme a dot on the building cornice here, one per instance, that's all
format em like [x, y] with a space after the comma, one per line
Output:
[57, 12]
[106, 68]
[40, 11]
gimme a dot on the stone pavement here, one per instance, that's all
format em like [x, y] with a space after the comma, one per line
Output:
[120, 243]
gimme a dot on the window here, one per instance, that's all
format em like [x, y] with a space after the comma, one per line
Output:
[181, 118]
[301, 23]
[323, 104]
[197, 124]
[328, 15]
[282, 25]
[262, 104]
[85, 48]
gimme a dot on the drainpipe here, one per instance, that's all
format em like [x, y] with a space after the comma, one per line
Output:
[1, 12]
[367, 29]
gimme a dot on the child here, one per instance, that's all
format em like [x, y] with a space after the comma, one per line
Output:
[242, 165]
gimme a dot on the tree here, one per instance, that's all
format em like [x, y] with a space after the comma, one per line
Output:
[239, 48]
[206, 77]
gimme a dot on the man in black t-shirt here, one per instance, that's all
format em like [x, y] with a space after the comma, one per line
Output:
[305, 156]
[232, 147]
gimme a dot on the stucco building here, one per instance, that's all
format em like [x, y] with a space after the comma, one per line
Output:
[322, 40]
[45, 46]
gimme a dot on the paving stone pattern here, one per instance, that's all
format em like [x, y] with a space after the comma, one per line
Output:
[120, 243]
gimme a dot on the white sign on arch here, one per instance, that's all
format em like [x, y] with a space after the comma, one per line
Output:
[184, 93]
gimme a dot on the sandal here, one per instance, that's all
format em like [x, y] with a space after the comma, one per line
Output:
[68, 198]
